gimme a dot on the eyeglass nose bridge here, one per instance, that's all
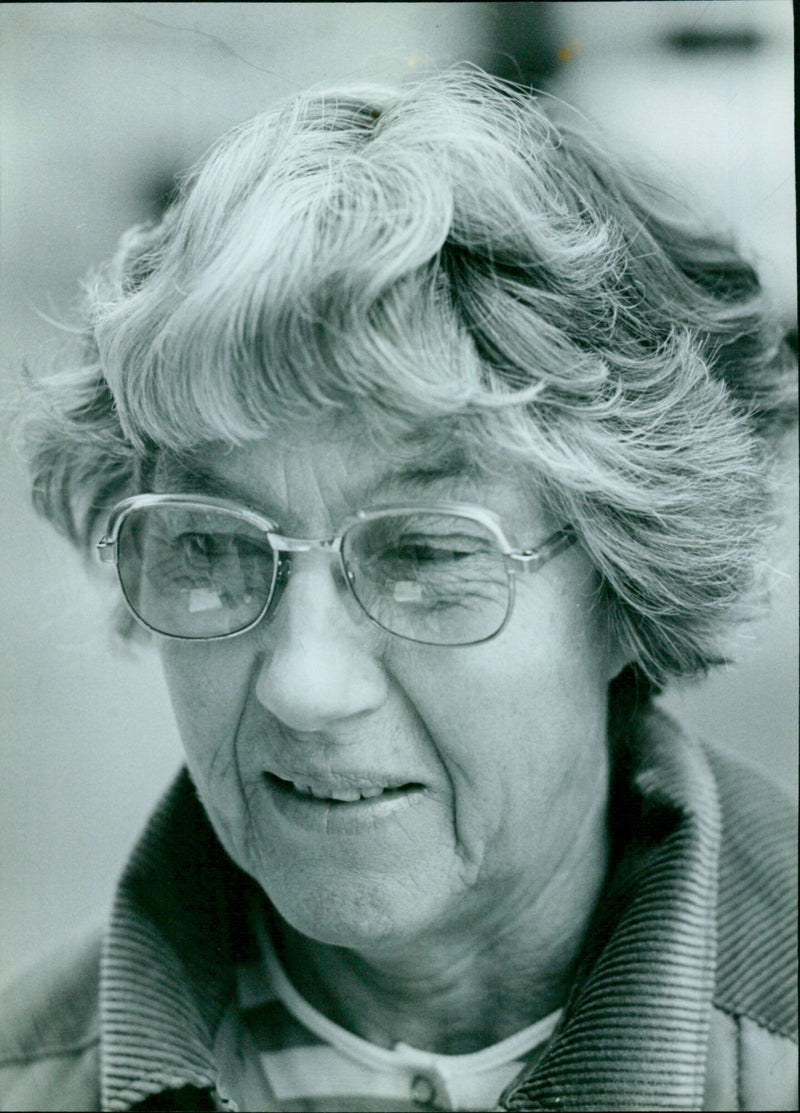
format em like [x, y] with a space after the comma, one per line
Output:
[282, 544]
[285, 547]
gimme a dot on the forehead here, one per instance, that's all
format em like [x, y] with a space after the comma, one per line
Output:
[309, 483]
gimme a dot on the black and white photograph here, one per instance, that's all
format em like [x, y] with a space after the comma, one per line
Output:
[501, 299]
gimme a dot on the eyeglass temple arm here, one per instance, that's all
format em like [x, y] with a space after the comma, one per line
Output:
[535, 558]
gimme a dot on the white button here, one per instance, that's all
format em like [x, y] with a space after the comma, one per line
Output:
[422, 1089]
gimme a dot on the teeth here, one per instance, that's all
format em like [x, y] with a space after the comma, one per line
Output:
[344, 795]
[347, 795]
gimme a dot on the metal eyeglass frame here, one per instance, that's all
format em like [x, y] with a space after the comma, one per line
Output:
[529, 559]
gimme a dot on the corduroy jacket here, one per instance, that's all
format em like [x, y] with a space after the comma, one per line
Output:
[685, 997]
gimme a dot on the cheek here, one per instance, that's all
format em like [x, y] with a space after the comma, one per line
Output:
[520, 722]
[208, 688]
[545, 678]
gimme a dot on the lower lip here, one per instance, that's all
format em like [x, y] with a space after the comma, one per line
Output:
[340, 817]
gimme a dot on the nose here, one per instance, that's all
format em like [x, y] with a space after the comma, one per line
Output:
[321, 660]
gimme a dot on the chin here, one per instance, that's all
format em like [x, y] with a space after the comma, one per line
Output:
[360, 918]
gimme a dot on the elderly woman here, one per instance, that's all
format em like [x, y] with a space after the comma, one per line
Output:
[429, 444]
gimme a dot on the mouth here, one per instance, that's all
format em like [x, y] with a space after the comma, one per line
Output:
[342, 794]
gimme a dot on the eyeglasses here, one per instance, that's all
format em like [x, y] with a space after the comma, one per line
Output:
[199, 568]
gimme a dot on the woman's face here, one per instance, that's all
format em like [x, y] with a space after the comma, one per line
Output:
[380, 790]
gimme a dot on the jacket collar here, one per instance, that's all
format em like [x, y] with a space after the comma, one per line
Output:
[167, 962]
[635, 1029]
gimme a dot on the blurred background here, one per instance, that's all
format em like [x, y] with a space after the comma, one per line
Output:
[101, 104]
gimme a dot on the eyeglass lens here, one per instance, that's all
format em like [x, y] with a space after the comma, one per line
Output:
[204, 573]
[430, 577]
[194, 573]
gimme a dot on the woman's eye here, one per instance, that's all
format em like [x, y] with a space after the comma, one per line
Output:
[433, 555]
[431, 552]
[200, 545]
[218, 546]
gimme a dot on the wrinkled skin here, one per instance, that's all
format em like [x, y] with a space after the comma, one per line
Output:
[498, 854]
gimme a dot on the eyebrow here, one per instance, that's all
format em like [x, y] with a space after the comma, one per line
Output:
[185, 476]
[420, 478]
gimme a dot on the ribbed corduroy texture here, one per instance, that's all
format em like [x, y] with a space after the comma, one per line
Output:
[758, 877]
[166, 972]
[635, 1031]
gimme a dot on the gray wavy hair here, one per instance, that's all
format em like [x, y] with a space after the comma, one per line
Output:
[460, 260]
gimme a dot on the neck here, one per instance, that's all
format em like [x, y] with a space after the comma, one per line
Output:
[465, 987]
